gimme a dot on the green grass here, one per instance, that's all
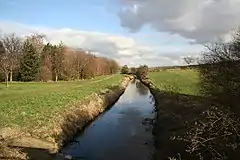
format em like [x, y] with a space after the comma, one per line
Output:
[33, 104]
[178, 81]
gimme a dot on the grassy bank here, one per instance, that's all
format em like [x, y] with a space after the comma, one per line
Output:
[33, 105]
[177, 101]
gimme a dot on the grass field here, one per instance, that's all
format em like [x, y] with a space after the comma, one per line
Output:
[178, 81]
[30, 105]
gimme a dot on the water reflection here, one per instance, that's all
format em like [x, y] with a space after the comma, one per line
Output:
[120, 133]
[141, 88]
[152, 100]
[133, 81]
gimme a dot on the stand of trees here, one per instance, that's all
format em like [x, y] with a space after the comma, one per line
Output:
[125, 69]
[141, 72]
[30, 59]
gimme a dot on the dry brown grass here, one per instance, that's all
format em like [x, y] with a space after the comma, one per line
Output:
[10, 153]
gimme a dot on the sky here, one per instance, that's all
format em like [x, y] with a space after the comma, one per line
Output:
[133, 32]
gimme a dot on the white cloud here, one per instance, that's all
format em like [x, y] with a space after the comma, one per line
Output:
[199, 20]
[126, 50]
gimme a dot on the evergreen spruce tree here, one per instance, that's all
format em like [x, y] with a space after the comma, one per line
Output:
[30, 63]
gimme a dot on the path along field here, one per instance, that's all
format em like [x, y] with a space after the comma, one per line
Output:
[33, 105]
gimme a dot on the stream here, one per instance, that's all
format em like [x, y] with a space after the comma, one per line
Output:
[124, 132]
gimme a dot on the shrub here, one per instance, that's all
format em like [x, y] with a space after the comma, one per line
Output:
[220, 71]
[215, 135]
[142, 72]
[125, 69]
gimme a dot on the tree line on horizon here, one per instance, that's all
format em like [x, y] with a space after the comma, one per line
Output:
[140, 72]
[30, 59]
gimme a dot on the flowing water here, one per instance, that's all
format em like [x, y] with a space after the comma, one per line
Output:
[121, 133]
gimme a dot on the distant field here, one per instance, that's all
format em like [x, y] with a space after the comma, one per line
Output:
[33, 104]
[180, 81]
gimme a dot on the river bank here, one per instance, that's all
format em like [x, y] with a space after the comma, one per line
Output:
[75, 119]
[39, 143]
[173, 108]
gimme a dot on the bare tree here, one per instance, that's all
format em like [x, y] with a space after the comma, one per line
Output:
[13, 47]
[57, 56]
[38, 42]
[189, 60]
[2, 50]
[4, 63]
[69, 69]
[81, 61]
[219, 76]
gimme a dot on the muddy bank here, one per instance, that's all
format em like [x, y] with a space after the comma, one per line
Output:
[43, 143]
[173, 110]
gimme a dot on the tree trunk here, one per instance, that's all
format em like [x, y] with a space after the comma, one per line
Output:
[56, 78]
[11, 76]
[6, 80]
[81, 74]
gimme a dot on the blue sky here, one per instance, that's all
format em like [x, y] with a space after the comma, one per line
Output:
[86, 15]
[95, 23]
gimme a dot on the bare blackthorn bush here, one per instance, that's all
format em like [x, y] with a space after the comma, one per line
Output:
[215, 135]
[220, 71]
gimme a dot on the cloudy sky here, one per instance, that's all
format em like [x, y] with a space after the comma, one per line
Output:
[133, 32]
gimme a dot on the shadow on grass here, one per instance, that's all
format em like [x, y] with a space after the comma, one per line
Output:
[173, 110]
[10, 158]
[39, 154]
[23, 153]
